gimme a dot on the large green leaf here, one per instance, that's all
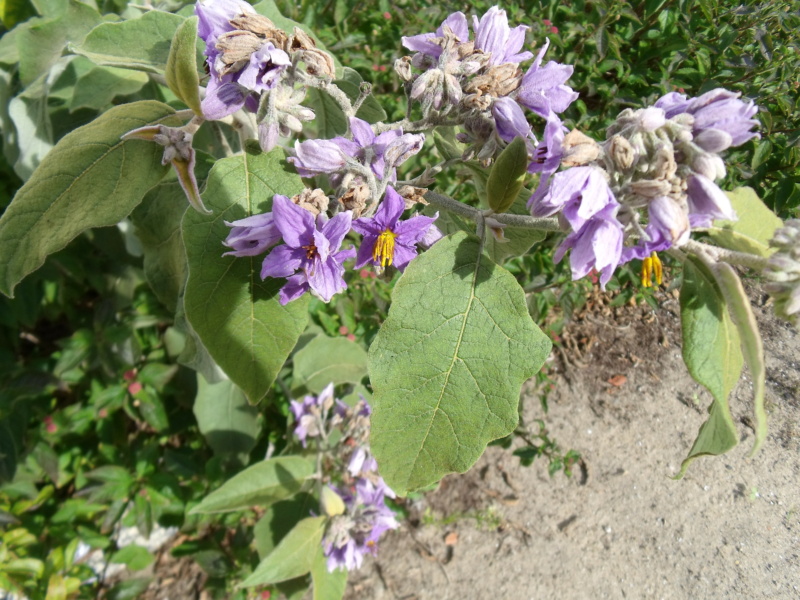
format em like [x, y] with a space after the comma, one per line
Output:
[259, 484]
[754, 228]
[90, 179]
[236, 314]
[325, 360]
[294, 555]
[141, 44]
[279, 519]
[448, 364]
[43, 43]
[330, 121]
[97, 88]
[225, 418]
[712, 353]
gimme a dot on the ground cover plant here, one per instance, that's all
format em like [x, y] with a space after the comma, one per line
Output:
[269, 269]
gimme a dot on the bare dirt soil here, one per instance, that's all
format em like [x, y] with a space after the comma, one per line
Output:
[620, 527]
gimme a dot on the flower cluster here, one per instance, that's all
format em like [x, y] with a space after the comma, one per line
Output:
[783, 270]
[254, 65]
[356, 507]
[479, 82]
[311, 258]
[647, 185]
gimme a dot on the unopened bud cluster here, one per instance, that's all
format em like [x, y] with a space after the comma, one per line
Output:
[783, 270]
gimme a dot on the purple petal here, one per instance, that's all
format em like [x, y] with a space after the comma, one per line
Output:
[707, 200]
[510, 120]
[491, 34]
[411, 231]
[365, 250]
[296, 224]
[422, 43]
[457, 22]
[668, 218]
[295, 287]
[283, 261]
[403, 255]
[222, 99]
[389, 211]
[325, 279]
[337, 228]
[314, 157]
[362, 132]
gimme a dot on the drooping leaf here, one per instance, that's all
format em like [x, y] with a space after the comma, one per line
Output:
[294, 555]
[91, 178]
[225, 417]
[448, 363]
[325, 360]
[181, 72]
[752, 346]
[712, 353]
[507, 176]
[43, 43]
[259, 484]
[141, 43]
[237, 315]
[754, 229]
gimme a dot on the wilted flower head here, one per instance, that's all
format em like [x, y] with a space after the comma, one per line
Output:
[309, 258]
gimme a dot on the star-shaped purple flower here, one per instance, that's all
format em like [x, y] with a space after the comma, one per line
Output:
[387, 239]
[310, 258]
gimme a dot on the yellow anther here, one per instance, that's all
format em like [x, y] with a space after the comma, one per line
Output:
[647, 271]
[651, 267]
[384, 248]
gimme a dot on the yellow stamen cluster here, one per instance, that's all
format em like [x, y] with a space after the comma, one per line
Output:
[384, 248]
[651, 266]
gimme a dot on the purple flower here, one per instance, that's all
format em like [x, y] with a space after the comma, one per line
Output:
[510, 121]
[578, 193]
[382, 153]
[542, 88]
[495, 37]
[310, 258]
[387, 240]
[547, 155]
[668, 226]
[353, 534]
[308, 413]
[707, 202]
[597, 245]
[721, 120]
[252, 235]
[232, 86]
[426, 43]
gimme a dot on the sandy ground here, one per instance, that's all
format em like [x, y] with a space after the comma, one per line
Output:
[621, 528]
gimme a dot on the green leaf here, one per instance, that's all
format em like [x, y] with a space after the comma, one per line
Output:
[142, 44]
[294, 555]
[279, 519]
[754, 229]
[134, 557]
[327, 586]
[325, 360]
[225, 417]
[370, 110]
[711, 351]
[260, 484]
[15, 11]
[237, 316]
[42, 44]
[90, 179]
[181, 72]
[752, 346]
[448, 364]
[507, 175]
[97, 88]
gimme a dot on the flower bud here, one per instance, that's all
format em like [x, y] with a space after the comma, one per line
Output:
[579, 149]
[622, 153]
[713, 140]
